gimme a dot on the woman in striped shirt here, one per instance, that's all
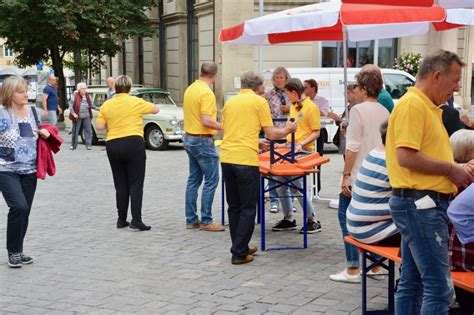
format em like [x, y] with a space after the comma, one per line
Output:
[368, 215]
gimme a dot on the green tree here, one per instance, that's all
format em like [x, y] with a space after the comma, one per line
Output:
[51, 29]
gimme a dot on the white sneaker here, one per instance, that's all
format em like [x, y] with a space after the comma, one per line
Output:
[343, 276]
[379, 275]
[274, 209]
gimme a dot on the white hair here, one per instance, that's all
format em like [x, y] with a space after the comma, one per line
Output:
[462, 142]
[81, 85]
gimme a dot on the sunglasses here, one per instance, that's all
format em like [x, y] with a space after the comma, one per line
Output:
[282, 98]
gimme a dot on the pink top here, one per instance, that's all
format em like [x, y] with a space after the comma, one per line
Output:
[363, 132]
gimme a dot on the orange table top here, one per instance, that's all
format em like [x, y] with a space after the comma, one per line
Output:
[304, 164]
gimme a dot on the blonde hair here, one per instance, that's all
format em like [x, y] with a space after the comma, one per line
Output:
[10, 86]
[123, 84]
[462, 142]
[280, 70]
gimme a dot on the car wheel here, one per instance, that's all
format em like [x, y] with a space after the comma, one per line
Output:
[95, 140]
[155, 139]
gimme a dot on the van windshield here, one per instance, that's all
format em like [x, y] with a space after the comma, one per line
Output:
[397, 84]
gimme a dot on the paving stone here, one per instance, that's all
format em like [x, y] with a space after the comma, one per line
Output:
[168, 269]
[283, 308]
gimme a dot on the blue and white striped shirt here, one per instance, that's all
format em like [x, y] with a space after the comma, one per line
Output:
[368, 215]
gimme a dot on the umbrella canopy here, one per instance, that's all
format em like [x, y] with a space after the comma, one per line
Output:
[329, 21]
[419, 3]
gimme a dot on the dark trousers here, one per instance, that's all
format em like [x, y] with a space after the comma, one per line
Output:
[127, 159]
[242, 184]
[18, 192]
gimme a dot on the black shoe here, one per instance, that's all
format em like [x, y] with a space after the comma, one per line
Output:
[26, 260]
[312, 227]
[139, 226]
[14, 260]
[122, 223]
[285, 225]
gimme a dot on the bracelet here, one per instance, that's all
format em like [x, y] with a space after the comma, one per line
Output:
[450, 169]
[346, 174]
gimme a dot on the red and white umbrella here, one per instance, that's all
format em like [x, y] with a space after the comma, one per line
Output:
[333, 20]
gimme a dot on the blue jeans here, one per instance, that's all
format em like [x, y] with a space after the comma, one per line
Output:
[352, 253]
[284, 193]
[425, 285]
[273, 193]
[52, 117]
[203, 162]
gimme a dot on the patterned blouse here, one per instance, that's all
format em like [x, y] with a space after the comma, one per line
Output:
[275, 97]
[18, 143]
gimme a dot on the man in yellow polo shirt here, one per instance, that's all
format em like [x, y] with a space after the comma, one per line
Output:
[200, 125]
[243, 116]
[424, 177]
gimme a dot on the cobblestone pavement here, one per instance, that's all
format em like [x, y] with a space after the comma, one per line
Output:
[83, 264]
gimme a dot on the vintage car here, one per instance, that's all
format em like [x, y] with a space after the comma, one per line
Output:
[159, 129]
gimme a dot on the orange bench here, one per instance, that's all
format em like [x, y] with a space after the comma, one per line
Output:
[463, 280]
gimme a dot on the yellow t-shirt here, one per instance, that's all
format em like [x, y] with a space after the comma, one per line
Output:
[417, 123]
[198, 100]
[123, 115]
[308, 119]
[242, 118]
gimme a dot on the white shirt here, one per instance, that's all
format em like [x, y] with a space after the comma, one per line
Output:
[322, 103]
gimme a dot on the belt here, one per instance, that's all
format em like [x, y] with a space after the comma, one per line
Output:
[199, 135]
[417, 194]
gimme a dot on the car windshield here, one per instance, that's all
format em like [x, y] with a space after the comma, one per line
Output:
[99, 99]
[157, 98]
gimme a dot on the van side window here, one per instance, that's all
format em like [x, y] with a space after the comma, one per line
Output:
[397, 84]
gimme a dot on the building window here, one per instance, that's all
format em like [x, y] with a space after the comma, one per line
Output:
[141, 70]
[359, 53]
[387, 52]
[193, 42]
[7, 52]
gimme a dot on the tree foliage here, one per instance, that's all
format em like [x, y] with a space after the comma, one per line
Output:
[50, 29]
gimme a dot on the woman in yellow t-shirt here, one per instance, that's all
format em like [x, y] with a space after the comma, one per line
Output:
[122, 117]
[307, 117]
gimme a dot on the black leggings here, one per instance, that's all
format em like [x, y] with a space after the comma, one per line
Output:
[127, 159]
[392, 241]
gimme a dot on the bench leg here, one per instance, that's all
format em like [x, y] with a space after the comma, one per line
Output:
[391, 286]
[364, 282]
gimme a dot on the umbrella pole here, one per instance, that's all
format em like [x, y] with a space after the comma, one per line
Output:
[344, 60]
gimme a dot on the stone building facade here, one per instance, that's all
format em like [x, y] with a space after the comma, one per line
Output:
[188, 33]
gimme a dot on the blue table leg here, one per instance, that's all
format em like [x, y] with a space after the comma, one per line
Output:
[305, 215]
[262, 212]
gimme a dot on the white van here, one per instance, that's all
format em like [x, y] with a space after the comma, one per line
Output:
[331, 86]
